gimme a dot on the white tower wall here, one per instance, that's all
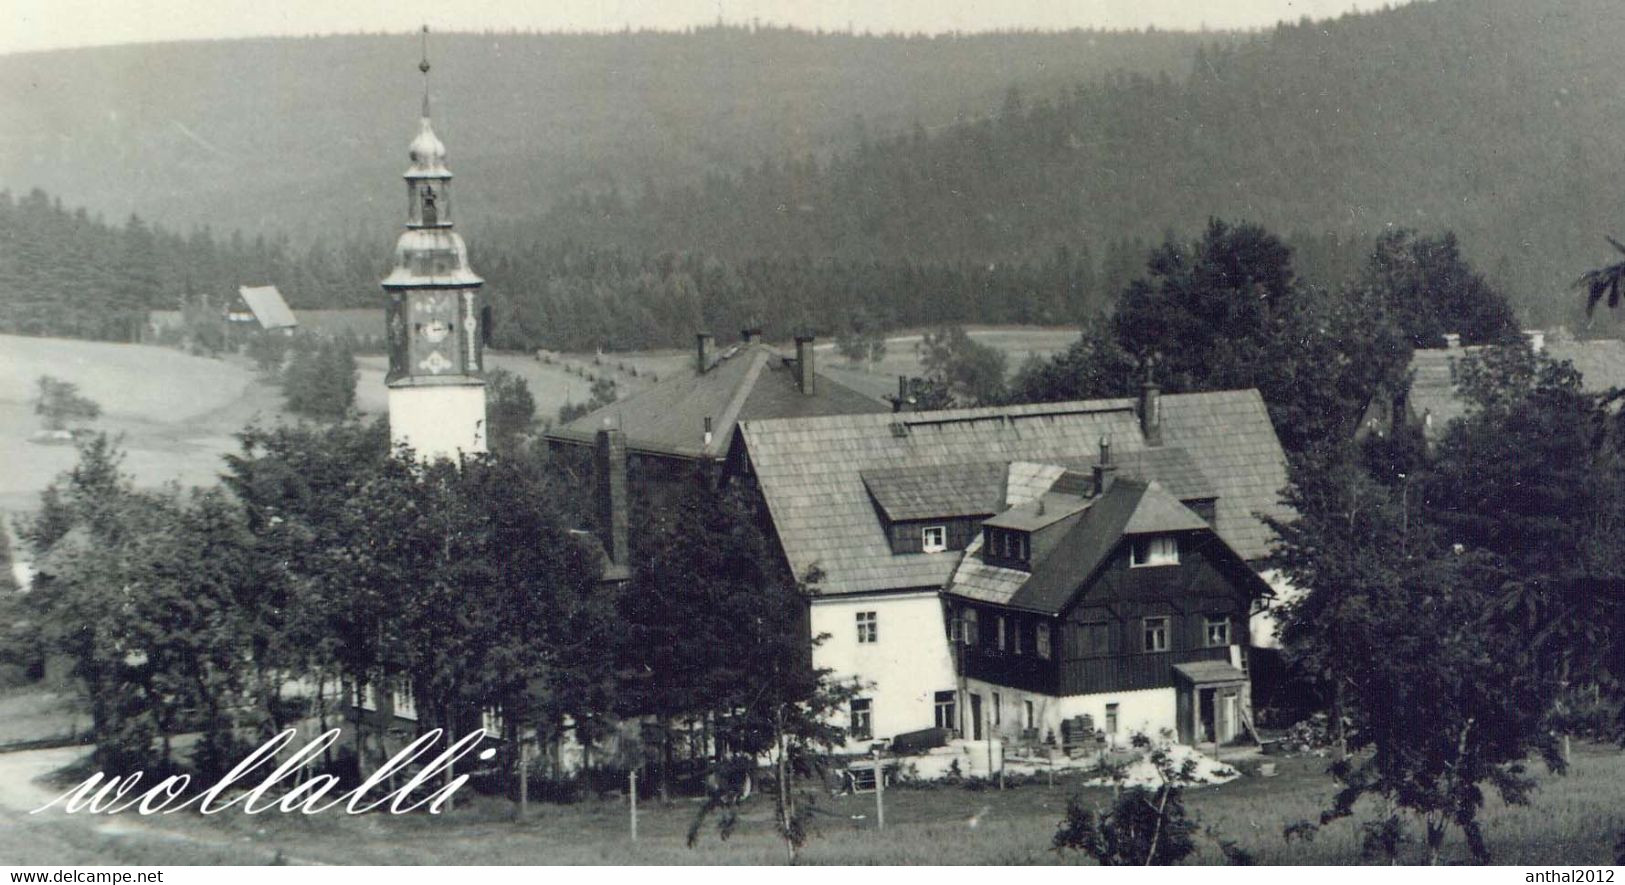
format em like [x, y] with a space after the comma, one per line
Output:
[439, 421]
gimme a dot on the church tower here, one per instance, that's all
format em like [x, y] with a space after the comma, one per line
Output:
[436, 381]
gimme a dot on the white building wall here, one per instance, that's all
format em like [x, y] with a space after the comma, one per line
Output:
[905, 667]
[438, 421]
[1148, 710]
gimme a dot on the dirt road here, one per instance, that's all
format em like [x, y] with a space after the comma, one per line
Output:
[52, 838]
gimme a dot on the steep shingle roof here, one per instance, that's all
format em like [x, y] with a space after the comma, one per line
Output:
[1128, 507]
[811, 471]
[750, 381]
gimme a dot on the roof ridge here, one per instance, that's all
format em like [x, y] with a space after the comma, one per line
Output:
[741, 392]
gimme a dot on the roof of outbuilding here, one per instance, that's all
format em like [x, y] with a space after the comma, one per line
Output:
[811, 472]
[268, 307]
[748, 381]
[1600, 362]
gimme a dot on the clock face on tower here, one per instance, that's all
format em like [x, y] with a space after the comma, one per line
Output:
[433, 323]
[434, 334]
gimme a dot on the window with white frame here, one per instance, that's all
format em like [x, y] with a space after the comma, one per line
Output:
[868, 628]
[862, 725]
[1003, 641]
[1111, 718]
[1015, 636]
[1155, 551]
[934, 538]
[1217, 630]
[1156, 634]
[491, 721]
[1041, 640]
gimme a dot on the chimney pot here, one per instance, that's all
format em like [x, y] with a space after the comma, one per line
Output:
[1104, 471]
[1150, 411]
[707, 429]
[806, 371]
[702, 351]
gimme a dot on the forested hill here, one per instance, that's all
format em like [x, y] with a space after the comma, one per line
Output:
[1500, 119]
[308, 136]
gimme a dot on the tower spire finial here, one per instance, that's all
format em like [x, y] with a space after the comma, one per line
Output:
[424, 67]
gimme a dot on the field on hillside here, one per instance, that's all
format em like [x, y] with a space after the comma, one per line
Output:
[563, 378]
[175, 413]
[903, 357]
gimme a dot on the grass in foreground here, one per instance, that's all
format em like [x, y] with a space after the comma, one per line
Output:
[1573, 820]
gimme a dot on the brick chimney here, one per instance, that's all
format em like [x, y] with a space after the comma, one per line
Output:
[1105, 470]
[702, 351]
[806, 371]
[750, 335]
[610, 475]
[1150, 411]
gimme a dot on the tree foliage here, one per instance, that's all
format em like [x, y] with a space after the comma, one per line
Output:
[510, 409]
[1445, 609]
[1145, 827]
[966, 371]
[59, 403]
[320, 378]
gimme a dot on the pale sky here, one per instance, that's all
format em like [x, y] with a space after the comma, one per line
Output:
[51, 24]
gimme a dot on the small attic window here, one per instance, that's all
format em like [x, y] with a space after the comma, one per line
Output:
[934, 538]
[1155, 551]
[1007, 545]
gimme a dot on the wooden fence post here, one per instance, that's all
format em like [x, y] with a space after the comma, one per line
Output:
[632, 780]
[880, 791]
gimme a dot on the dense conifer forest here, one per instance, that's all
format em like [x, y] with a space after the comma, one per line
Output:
[860, 181]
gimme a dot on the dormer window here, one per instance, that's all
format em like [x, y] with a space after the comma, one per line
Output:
[1155, 551]
[934, 538]
[1007, 545]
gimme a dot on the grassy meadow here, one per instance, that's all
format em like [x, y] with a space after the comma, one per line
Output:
[902, 355]
[175, 412]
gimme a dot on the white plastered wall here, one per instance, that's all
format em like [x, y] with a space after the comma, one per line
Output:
[1148, 710]
[438, 421]
[903, 669]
